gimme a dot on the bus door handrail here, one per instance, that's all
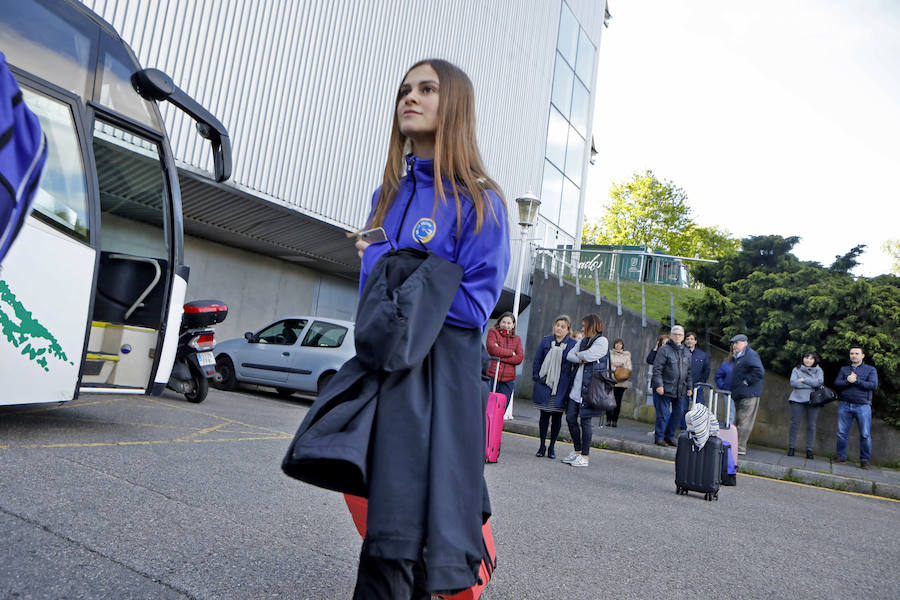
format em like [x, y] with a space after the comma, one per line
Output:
[140, 300]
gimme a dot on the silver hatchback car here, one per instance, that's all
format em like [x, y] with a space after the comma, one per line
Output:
[293, 354]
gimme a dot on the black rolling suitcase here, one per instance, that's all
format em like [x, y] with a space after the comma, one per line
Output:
[698, 470]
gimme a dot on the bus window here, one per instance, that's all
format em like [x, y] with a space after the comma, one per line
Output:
[133, 193]
[116, 90]
[61, 200]
[51, 44]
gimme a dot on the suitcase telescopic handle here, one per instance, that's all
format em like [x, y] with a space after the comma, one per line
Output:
[496, 375]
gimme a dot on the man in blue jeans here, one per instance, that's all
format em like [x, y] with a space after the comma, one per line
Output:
[856, 382]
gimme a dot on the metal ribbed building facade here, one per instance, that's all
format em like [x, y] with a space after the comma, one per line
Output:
[306, 90]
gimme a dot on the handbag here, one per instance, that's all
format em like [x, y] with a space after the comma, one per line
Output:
[601, 396]
[622, 374]
[821, 396]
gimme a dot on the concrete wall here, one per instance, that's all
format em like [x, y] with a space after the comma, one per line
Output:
[549, 299]
[773, 419]
[259, 290]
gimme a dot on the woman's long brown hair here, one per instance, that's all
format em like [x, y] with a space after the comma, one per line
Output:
[456, 155]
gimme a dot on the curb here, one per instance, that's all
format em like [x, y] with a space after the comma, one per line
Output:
[750, 467]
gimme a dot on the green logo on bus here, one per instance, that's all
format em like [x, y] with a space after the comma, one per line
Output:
[25, 332]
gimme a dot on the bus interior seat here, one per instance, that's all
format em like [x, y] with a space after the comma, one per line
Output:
[120, 283]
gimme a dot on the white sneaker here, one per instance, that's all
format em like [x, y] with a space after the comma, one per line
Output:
[571, 457]
[581, 461]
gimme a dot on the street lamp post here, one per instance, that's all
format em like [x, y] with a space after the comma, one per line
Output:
[528, 209]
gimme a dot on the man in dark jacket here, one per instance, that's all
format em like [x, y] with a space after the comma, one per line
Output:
[856, 382]
[699, 364]
[746, 388]
[672, 380]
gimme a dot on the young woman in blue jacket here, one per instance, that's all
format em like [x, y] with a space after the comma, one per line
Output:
[552, 375]
[436, 196]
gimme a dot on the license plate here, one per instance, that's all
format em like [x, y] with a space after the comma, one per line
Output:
[206, 358]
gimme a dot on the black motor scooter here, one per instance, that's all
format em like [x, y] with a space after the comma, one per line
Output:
[195, 364]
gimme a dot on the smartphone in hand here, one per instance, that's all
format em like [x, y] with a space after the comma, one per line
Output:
[373, 236]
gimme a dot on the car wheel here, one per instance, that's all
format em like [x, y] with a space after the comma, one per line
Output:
[323, 381]
[284, 392]
[226, 370]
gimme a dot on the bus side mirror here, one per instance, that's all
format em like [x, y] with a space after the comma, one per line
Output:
[153, 84]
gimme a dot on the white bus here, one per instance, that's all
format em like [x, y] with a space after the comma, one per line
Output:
[91, 292]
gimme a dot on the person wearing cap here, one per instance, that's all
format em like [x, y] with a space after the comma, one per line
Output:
[671, 380]
[746, 388]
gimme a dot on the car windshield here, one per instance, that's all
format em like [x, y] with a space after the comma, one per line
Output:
[325, 335]
[285, 332]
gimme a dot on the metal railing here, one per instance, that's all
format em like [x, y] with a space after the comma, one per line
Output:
[615, 265]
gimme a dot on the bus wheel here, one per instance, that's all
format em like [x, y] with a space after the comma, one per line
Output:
[199, 388]
[226, 370]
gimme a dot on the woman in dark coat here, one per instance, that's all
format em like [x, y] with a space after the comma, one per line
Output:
[552, 375]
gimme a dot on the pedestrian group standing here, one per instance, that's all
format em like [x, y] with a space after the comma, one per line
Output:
[856, 382]
[505, 348]
[552, 375]
[805, 377]
[619, 362]
[590, 354]
[746, 388]
[672, 382]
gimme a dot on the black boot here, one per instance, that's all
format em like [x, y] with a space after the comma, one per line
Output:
[551, 452]
[540, 451]
[790, 451]
[809, 454]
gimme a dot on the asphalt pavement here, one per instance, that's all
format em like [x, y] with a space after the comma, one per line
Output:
[126, 497]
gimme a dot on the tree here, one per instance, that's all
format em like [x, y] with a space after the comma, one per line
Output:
[847, 262]
[892, 247]
[652, 213]
[787, 306]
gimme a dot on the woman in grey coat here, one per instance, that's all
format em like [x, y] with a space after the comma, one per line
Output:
[805, 377]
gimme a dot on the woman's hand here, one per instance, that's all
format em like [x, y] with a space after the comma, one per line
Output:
[361, 247]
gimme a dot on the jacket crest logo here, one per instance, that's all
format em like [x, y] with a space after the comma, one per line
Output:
[424, 230]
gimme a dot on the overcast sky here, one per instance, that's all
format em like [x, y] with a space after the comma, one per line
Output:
[775, 116]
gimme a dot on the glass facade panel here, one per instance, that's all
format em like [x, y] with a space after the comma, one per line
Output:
[584, 65]
[568, 35]
[581, 106]
[563, 78]
[551, 192]
[557, 139]
[575, 156]
[568, 214]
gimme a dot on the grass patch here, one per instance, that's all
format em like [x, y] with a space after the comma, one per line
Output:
[842, 487]
[891, 464]
[748, 471]
[657, 297]
[790, 477]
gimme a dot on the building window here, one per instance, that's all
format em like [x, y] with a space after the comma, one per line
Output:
[570, 102]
